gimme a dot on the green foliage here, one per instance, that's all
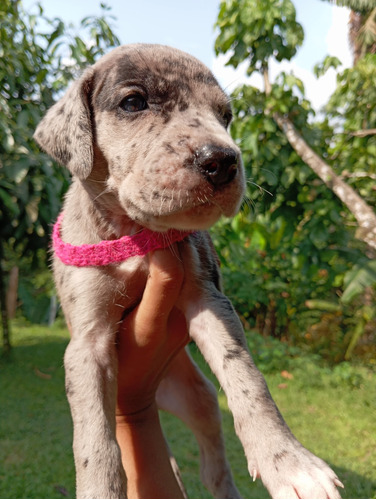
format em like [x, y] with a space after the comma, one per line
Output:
[291, 246]
[329, 62]
[361, 276]
[354, 97]
[291, 263]
[36, 290]
[362, 26]
[272, 355]
[362, 6]
[255, 30]
[38, 57]
[352, 110]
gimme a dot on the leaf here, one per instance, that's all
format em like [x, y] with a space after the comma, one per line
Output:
[80, 45]
[319, 236]
[356, 335]
[45, 376]
[57, 33]
[323, 305]
[329, 62]
[9, 201]
[356, 280]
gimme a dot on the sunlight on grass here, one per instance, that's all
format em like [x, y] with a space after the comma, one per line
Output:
[331, 411]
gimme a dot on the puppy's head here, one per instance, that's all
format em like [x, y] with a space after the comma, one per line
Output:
[153, 121]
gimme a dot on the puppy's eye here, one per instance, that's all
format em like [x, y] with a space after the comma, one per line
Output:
[134, 103]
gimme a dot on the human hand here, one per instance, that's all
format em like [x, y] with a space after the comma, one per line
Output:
[151, 335]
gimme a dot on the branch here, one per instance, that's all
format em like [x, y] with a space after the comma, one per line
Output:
[267, 85]
[363, 213]
[357, 175]
[364, 133]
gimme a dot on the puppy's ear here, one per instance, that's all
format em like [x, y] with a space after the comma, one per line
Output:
[66, 133]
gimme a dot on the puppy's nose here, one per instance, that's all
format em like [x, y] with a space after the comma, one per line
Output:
[218, 165]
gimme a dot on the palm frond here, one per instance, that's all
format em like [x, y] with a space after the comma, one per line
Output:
[361, 6]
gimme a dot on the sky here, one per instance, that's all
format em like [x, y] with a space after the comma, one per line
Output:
[189, 26]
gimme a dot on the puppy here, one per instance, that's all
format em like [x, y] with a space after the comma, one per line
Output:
[144, 134]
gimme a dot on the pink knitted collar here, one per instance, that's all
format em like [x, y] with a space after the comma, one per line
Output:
[111, 251]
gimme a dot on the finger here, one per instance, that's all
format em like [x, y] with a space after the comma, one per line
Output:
[166, 265]
[166, 275]
[177, 330]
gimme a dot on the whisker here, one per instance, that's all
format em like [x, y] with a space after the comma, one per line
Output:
[169, 242]
[249, 203]
[163, 199]
[106, 190]
[97, 181]
[269, 172]
[261, 188]
[171, 200]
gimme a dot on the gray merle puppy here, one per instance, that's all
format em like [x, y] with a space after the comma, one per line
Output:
[144, 134]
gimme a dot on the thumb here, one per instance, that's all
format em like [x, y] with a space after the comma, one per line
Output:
[166, 275]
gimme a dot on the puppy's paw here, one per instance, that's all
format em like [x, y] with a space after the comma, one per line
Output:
[297, 473]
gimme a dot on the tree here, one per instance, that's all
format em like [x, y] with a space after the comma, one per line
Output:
[299, 243]
[252, 32]
[36, 64]
[362, 26]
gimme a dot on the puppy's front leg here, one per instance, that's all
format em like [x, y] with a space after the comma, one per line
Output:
[186, 393]
[286, 468]
[90, 365]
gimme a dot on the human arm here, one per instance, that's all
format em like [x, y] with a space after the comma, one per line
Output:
[151, 335]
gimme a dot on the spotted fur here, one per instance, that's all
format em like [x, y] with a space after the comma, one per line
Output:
[143, 132]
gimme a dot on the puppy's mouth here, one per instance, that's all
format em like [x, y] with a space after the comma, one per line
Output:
[187, 199]
[199, 217]
[195, 209]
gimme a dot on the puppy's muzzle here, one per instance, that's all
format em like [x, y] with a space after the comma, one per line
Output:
[218, 165]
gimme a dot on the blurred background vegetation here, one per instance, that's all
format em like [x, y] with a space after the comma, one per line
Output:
[298, 261]
[38, 59]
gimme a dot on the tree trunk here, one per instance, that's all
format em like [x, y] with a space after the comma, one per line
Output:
[3, 306]
[363, 213]
[11, 293]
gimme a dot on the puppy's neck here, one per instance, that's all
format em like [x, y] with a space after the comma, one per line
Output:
[111, 251]
[90, 217]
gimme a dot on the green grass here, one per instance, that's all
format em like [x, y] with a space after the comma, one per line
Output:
[332, 412]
